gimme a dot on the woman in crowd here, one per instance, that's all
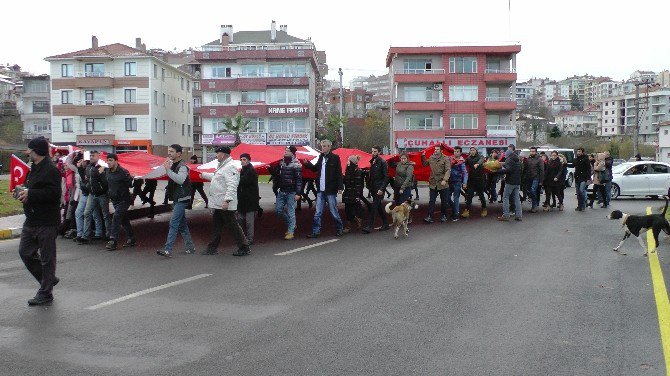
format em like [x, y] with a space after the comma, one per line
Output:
[553, 177]
[598, 178]
[353, 193]
[403, 182]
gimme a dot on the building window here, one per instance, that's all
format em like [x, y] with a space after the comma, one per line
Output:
[462, 65]
[197, 102]
[287, 96]
[130, 69]
[156, 97]
[251, 97]
[94, 69]
[162, 74]
[288, 70]
[181, 82]
[359, 98]
[95, 125]
[257, 125]
[463, 93]
[221, 98]
[183, 129]
[606, 113]
[417, 66]
[418, 94]
[196, 85]
[155, 71]
[665, 132]
[419, 122]
[67, 70]
[164, 127]
[188, 105]
[188, 129]
[94, 97]
[221, 72]
[130, 95]
[41, 107]
[287, 125]
[164, 100]
[131, 124]
[182, 105]
[253, 71]
[67, 125]
[66, 97]
[155, 125]
[463, 121]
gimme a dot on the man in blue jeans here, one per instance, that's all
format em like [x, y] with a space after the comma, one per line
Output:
[289, 186]
[457, 178]
[329, 184]
[582, 178]
[512, 171]
[179, 191]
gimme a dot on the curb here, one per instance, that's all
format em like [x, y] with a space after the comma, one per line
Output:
[10, 233]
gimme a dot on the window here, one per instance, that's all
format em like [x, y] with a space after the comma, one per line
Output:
[41, 107]
[188, 86]
[130, 69]
[155, 125]
[287, 96]
[196, 102]
[183, 129]
[164, 127]
[665, 132]
[181, 82]
[131, 124]
[462, 65]
[253, 71]
[156, 97]
[257, 125]
[196, 85]
[288, 70]
[659, 169]
[221, 98]
[66, 97]
[93, 97]
[189, 107]
[463, 93]
[162, 74]
[67, 70]
[253, 96]
[287, 125]
[419, 94]
[188, 129]
[493, 120]
[606, 113]
[219, 125]
[463, 121]
[182, 105]
[605, 121]
[94, 70]
[221, 72]
[67, 125]
[155, 71]
[417, 66]
[41, 127]
[130, 95]
[492, 66]
[419, 122]
[164, 100]
[95, 125]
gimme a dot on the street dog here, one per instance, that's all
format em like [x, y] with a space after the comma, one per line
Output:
[638, 225]
[400, 215]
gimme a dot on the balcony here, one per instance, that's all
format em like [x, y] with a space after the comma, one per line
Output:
[251, 83]
[256, 110]
[500, 75]
[88, 80]
[419, 75]
[92, 108]
[419, 106]
[500, 130]
[500, 104]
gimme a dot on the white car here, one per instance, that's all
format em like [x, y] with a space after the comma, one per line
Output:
[644, 178]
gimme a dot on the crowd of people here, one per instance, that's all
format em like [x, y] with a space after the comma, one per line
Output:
[84, 190]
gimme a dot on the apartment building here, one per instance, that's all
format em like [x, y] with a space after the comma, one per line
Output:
[663, 153]
[600, 88]
[619, 114]
[270, 77]
[356, 102]
[379, 86]
[34, 105]
[524, 94]
[577, 123]
[117, 98]
[460, 95]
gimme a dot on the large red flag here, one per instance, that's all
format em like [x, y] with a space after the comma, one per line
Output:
[18, 172]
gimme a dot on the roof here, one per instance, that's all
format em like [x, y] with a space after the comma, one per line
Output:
[493, 50]
[259, 36]
[108, 51]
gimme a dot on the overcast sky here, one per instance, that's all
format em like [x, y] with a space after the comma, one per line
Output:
[558, 38]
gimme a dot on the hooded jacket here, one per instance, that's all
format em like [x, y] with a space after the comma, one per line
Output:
[353, 184]
[404, 175]
[512, 168]
[459, 174]
[44, 194]
[223, 187]
[440, 169]
[290, 176]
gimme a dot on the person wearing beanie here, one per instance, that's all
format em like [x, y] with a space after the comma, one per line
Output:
[197, 186]
[247, 197]
[41, 205]
[119, 183]
[353, 193]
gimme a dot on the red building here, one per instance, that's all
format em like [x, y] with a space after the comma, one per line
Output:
[457, 95]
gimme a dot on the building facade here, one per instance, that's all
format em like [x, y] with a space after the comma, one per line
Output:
[118, 98]
[619, 114]
[379, 86]
[577, 123]
[356, 102]
[271, 78]
[524, 94]
[34, 106]
[461, 96]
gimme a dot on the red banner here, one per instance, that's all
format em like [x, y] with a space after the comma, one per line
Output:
[18, 172]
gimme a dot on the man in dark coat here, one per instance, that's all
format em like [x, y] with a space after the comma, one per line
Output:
[247, 197]
[512, 170]
[582, 177]
[378, 180]
[328, 185]
[41, 204]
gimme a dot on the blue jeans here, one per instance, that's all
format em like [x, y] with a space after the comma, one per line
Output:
[286, 203]
[535, 193]
[178, 225]
[321, 200]
[454, 197]
[92, 204]
[402, 195]
[79, 217]
[432, 197]
[581, 194]
[512, 190]
[608, 192]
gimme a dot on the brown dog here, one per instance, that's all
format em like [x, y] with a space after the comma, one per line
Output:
[400, 215]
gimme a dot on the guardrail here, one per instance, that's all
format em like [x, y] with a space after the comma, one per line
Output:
[500, 70]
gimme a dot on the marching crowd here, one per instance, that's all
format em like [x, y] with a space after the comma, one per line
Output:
[85, 189]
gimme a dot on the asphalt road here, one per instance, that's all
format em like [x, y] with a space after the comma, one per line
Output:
[546, 296]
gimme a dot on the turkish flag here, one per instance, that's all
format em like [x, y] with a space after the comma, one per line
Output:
[19, 171]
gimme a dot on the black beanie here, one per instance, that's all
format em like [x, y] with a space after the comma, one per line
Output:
[39, 145]
[293, 149]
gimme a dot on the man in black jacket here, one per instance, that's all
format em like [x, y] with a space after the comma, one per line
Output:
[119, 182]
[97, 200]
[379, 178]
[247, 197]
[476, 183]
[512, 171]
[328, 186]
[582, 177]
[41, 205]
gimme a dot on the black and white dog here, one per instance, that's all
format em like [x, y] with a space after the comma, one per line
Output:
[639, 224]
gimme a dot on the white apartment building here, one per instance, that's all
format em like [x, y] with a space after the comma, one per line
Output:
[663, 154]
[619, 114]
[117, 98]
[34, 107]
[577, 123]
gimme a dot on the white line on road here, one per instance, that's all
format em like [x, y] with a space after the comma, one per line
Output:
[147, 291]
[305, 247]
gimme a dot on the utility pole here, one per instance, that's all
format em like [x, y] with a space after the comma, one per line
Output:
[636, 130]
[341, 107]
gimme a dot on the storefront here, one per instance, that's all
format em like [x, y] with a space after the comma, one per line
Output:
[124, 146]
[483, 144]
[102, 142]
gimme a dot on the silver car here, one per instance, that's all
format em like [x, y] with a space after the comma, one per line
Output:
[644, 178]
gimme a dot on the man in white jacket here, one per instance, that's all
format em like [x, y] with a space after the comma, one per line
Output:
[223, 201]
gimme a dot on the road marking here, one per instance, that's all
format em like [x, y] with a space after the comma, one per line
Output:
[147, 291]
[305, 247]
[661, 295]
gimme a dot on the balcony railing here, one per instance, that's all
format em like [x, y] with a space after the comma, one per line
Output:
[419, 71]
[260, 47]
[498, 127]
[499, 99]
[490, 70]
[95, 74]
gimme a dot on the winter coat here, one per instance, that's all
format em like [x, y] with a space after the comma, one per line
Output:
[512, 169]
[475, 173]
[223, 186]
[119, 183]
[379, 175]
[554, 171]
[290, 177]
[404, 175]
[247, 190]
[440, 169]
[97, 184]
[459, 174]
[609, 162]
[333, 173]
[535, 169]
[353, 184]
[598, 168]
[44, 194]
[582, 168]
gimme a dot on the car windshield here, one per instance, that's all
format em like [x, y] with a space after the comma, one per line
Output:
[620, 169]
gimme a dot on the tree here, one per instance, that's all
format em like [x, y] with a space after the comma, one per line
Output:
[555, 132]
[332, 128]
[575, 103]
[236, 125]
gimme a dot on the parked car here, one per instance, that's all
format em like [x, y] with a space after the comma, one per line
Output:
[641, 178]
